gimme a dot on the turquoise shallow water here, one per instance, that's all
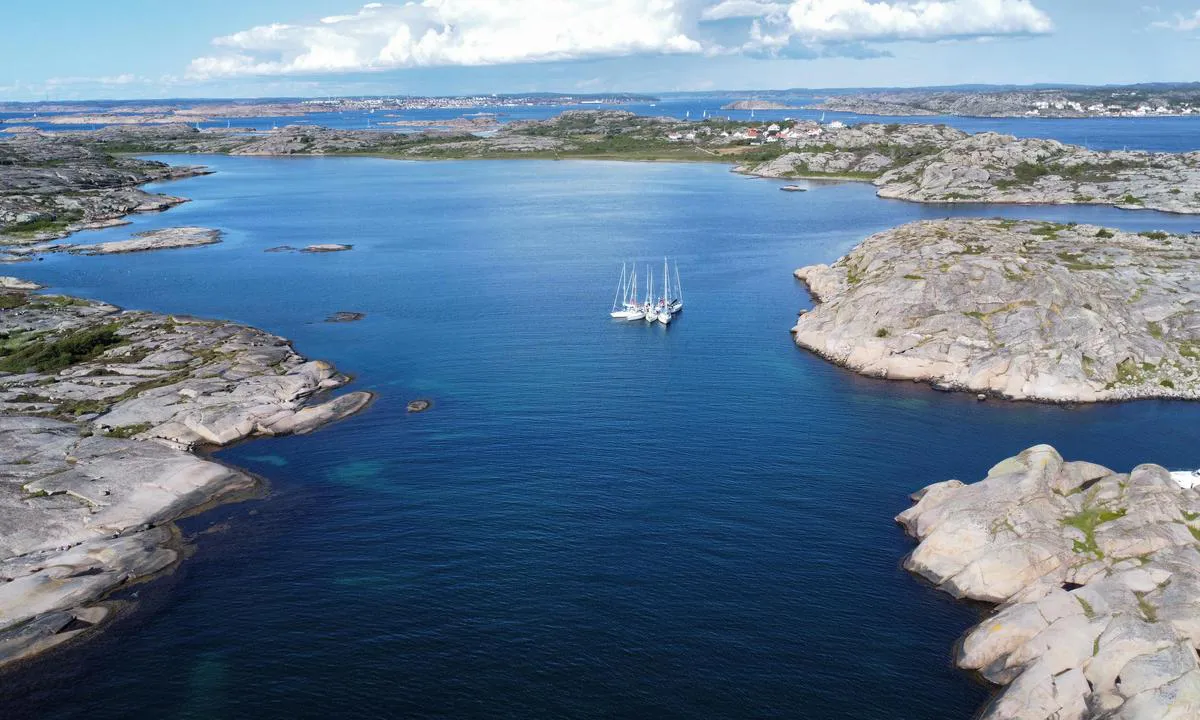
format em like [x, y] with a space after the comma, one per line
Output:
[595, 519]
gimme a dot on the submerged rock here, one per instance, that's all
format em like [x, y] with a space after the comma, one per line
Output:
[343, 316]
[1097, 577]
[1016, 309]
[326, 247]
[416, 406]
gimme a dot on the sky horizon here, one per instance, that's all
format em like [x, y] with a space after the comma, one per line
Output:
[145, 50]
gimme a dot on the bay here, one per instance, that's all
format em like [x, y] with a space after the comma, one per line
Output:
[595, 519]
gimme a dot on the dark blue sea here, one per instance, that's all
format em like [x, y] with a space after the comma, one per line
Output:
[595, 519]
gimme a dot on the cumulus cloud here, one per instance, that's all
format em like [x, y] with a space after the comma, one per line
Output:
[455, 32]
[430, 33]
[833, 21]
[1183, 23]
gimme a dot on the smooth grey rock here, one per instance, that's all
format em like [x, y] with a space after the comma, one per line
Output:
[1093, 621]
[166, 238]
[86, 497]
[1015, 309]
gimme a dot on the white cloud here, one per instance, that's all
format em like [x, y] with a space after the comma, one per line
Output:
[454, 32]
[1181, 22]
[428, 33]
[825, 21]
[106, 80]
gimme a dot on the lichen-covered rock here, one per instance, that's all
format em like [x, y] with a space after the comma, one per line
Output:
[1091, 622]
[1017, 309]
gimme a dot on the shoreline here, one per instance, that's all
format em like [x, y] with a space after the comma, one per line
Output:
[92, 483]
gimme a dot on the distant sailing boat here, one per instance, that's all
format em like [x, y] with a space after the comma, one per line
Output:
[628, 306]
[664, 304]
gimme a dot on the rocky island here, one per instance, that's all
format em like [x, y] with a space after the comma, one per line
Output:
[938, 164]
[1097, 577]
[757, 105]
[51, 186]
[101, 413]
[1017, 309]
[164, 239]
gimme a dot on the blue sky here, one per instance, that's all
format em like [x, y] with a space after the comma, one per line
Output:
[85, 49]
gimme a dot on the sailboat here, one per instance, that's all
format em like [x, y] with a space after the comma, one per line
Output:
[676, 303]
[664, 304]
[651, 314]
[629, 308]
[620, 310]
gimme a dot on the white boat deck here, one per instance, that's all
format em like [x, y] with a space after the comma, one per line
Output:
[1186, 478]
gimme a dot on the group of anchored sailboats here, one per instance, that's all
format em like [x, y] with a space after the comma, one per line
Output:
[628, 305]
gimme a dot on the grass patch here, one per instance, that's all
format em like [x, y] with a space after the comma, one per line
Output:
[75, 408]
[46, 223]
[1155, 330]
[1104, 233]
[127, 431]
[913, 277]
[8, 301]
[1086, 521]
[881, 333]
[1148, 611]
[1088, 611]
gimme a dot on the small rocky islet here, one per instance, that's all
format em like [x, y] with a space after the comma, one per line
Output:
[101, 411]
[1017, 309]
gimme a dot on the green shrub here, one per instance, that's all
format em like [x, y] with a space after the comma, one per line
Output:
[64, 352]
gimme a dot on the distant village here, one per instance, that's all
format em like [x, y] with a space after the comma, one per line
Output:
[1128, 103]
[775, 132]
[1102, 110]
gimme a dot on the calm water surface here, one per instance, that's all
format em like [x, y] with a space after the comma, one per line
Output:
[595, 519]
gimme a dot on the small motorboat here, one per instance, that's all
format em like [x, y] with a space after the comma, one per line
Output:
[793, 188]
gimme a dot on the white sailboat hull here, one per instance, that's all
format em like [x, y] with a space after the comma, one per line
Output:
[632, 315]
[664, 317]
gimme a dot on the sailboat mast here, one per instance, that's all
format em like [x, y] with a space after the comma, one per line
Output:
[666, 282]
[620, 287]
[678, 287]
